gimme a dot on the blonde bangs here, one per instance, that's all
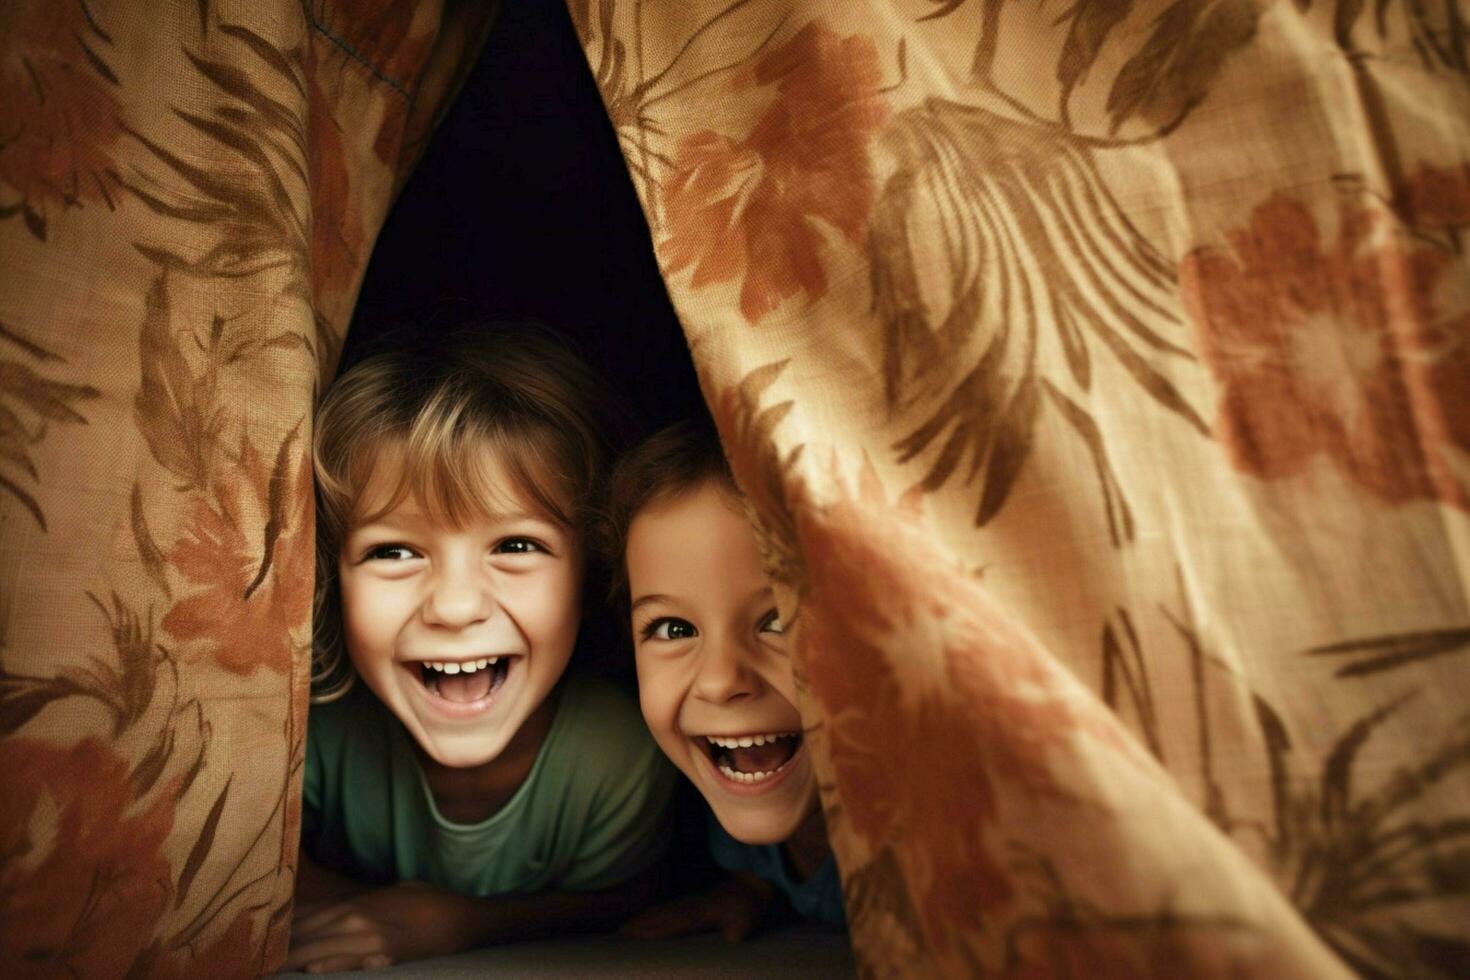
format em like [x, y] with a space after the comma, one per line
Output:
[459, 465]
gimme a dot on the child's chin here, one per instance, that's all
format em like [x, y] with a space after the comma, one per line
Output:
[750, 826]
[459, 753]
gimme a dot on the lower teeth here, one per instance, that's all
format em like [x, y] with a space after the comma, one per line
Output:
[747, 777]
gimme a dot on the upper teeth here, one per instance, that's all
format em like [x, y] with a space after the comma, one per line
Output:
[467, 666]
[744, 741]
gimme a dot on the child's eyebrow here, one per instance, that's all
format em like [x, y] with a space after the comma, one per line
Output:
[401, 520]
[642, 601]
[518, 516]
[384, 524]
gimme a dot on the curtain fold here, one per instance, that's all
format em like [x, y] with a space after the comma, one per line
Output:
[189, 194]
[1100, 377]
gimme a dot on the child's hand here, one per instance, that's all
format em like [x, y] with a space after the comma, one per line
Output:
[734, 907]
[406, 921]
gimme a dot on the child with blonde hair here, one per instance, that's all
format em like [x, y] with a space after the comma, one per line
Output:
[462, 786]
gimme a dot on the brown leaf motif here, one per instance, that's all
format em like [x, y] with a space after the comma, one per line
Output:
[337, 236]
[133, 681]
[1159, 82]
[148, 552]
[753, 209]
[178, 407]
[1375, 654]
[83, 883]
[763, 472]
[256, 588]
[1034, 273]
[202, 845]
[885, 934]
[264, 184]
[174, 409]
[234, 951]
[1173, 71]
[1072, 937]
[1092, 22]
[60, 115]
[245, 187]
[1368, 863]
[1125, 675]
[1438, 33]
[1091, 943]
[125, 690]
[29, 402]
[1357, 350]
[389, 34]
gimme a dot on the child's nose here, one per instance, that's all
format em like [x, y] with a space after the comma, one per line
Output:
[725, 673]
[458, 600]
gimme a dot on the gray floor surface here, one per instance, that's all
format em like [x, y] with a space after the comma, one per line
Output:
[796, 951]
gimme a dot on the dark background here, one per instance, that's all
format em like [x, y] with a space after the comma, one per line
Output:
[522, 207]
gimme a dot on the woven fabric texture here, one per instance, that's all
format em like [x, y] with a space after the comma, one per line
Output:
[1099, 375]
[189, 192]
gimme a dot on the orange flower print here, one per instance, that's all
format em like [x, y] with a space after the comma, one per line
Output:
[83, 885]
[59, 111]
[910, 663]
[247, 610]
[753, 209]
[1358, 350]
[1438, 197]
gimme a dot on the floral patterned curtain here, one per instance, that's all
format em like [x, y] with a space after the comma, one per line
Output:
[1100, 374]
[189, 192]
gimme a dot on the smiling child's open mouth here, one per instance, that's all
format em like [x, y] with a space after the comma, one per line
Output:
[466, 681]
[752, 758]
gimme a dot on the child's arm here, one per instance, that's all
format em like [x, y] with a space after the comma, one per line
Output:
[317, 884]
[412, 920]
[735, 907]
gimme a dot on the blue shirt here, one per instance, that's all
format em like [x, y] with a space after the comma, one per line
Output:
[819, 897]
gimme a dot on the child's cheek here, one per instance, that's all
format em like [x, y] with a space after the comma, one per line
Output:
[659, 695]
[367, 608]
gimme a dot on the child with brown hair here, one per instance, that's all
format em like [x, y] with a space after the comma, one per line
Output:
[715, 684]
[470, 789]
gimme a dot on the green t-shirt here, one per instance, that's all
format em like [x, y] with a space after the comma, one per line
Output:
[591, 814]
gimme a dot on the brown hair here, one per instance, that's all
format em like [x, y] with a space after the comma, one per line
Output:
[669, 464]
[514, 391]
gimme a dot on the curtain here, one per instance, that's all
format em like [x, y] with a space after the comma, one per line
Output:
[1099, 375]
[189, 193]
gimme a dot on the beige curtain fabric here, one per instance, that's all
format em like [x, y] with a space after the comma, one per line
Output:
[1100, 376]
[189, 192]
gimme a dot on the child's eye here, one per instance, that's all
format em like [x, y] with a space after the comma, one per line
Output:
[390, 552]
[518, 546]
[669, 628]
[771, 623]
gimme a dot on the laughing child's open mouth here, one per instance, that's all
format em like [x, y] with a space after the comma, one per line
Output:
[466, 681]
[752, 758]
